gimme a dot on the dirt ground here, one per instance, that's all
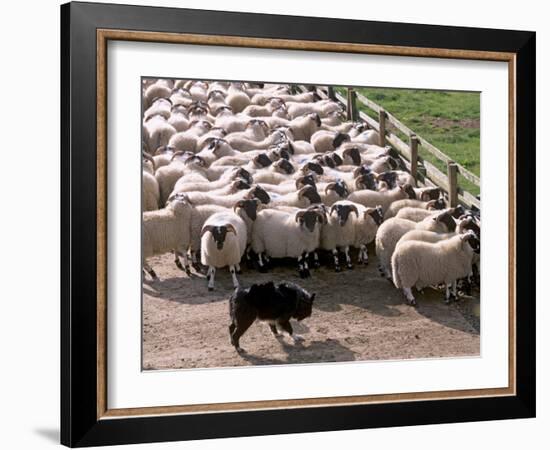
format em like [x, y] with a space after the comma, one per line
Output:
[357, 315]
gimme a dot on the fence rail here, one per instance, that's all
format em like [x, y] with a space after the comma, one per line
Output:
[423, 171]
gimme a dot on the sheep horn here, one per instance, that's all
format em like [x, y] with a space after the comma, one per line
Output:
[239, 204]
[354, 209]
[332, 208]
[329, 186]
[231, 228]
[299, 215]
[206, 229]
[178, 153]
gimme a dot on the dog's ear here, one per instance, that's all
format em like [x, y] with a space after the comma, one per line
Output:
[312, 297]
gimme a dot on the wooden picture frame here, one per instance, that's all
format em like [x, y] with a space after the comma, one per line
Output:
[85, 417]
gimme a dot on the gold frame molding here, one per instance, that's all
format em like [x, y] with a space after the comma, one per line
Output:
[103, 36]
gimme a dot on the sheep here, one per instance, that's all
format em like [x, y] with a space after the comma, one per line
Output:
[160, 106]
[419, 264]
[393, 178]
[264, 110]
[333, 192]
[325, 141]
[412, 203]
[262, 97]
[393, 229]
[246, 209]
[417, 214]
[281, 234]
[166, 230]
[159, 89]
[366, 226]
[372, 199]
[255, 130]
[305, 126]
[245, 144]
[202, 198]
[289, 185]
[178, 118]
[236, 98]
[322, 107]
[187, 140]
[303, 198]
[150, 188]
[181, 98]
[339, 231]
[223, 242]
[236, 174]
[180, 165]
[216, 99]
[157, 132]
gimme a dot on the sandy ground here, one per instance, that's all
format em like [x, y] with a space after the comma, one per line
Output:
[357, 315]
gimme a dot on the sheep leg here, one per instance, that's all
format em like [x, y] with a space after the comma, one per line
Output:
[336, 260]
[349, 265]
[301, 270]
[234, 276]
[262, 268]
[185, 266]
[454, 296]
[410, 297]
[363, 255]
[150, 271]
[316, 262]
[306, 267]
[210, 276]
[447, 293]
[194, 261]
[248, 258]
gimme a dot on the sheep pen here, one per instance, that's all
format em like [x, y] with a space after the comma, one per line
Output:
[357, 315]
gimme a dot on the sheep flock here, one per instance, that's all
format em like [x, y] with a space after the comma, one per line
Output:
[246, 176]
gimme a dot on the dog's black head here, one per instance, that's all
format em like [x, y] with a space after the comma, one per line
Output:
[304, 300]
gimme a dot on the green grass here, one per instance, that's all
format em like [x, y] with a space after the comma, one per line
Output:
[448, 120]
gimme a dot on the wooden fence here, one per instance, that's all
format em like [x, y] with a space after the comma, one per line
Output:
[387, 124]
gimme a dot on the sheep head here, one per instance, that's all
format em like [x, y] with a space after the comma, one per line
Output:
[343, 211]
[376, 214]
[339, 186]
[249, 206]
[430, 194]
[259, 193]
[306, 180]
[408, 190]
[472, 240]
[309, 219]
[310, 193]
[447, 219]
[219, 233]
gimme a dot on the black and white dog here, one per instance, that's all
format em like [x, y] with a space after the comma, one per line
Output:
[275, 304]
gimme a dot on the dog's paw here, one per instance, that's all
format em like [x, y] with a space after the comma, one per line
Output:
[297, 338]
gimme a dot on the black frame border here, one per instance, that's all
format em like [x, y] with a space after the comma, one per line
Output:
[79, 423]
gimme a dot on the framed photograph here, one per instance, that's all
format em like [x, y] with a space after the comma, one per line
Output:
[272, 224]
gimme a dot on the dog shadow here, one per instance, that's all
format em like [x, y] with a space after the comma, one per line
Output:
[329, 350]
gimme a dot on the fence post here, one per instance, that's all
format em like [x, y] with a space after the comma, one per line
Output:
[352, 105]
[330, 93]
[413, 144]
[382, 125]
[452, 175]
